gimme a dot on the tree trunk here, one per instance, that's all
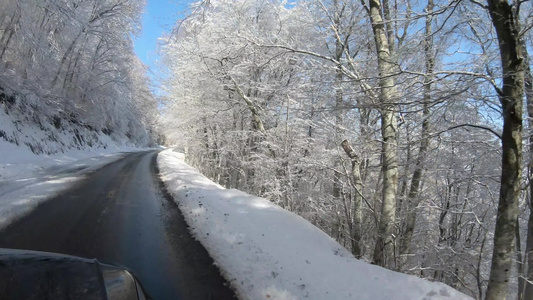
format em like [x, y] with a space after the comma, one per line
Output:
[511, 97]
[13, 27]
[65, 57]
[357, 214]
[519, 261]
[412, 197]
[339, 50]
[384, 248]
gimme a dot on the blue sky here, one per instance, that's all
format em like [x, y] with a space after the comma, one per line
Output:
[159, 17]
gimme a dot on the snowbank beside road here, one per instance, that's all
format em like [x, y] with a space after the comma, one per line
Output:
[18, 161]
[266, 252]
[27, 179]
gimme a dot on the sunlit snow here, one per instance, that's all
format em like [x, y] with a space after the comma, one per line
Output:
[266, 252]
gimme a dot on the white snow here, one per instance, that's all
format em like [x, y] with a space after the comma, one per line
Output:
[266, 252]
[27, 179]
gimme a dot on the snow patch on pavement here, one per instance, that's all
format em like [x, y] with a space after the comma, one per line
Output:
[27, 179]
[266, 252]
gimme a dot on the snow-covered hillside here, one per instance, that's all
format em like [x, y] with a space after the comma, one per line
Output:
[40, 135]
[266, 252]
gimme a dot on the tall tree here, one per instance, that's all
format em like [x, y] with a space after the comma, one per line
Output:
[416, 179]
[384, 247]
[511, 97]
[76, 58]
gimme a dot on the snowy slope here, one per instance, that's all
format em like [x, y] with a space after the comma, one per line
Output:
[266, 252]
[41, 135]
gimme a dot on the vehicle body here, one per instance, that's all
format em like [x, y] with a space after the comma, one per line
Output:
[41, 275]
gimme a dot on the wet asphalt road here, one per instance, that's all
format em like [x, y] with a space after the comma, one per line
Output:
[120, 215]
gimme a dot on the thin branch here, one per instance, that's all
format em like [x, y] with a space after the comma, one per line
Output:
[473, 126]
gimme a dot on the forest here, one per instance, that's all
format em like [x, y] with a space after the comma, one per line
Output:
[71, 62]
[401, 128]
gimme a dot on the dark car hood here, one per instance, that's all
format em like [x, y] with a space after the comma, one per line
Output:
[41, 275]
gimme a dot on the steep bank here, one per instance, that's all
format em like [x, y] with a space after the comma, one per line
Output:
[31, 128]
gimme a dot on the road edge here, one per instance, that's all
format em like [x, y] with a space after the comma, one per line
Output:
[171, 198]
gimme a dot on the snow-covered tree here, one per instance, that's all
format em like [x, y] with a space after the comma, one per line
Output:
[378, 121]
[76, 60]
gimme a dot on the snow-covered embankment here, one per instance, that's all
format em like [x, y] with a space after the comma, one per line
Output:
[266, 252]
